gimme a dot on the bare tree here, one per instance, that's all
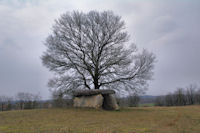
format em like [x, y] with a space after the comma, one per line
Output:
[197, 97]
[36, 100]
[58, 98]
[91, 50]
[5, 103]
[190, 93]
[2, 102]
[169, 99]
[159, 101]
[27, 100]
[180, 97]
[133, 100]
[22, 99]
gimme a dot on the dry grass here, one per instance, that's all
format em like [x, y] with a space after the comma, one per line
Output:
[132, 120]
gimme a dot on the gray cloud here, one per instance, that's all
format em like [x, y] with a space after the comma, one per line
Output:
[169, 29]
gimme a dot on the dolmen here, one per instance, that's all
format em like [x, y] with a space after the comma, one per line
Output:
[104, 99]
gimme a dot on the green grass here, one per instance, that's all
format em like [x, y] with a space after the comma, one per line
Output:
[130, 120]
[147, 105]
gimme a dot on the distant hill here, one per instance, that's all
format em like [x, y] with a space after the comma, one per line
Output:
[147, 99]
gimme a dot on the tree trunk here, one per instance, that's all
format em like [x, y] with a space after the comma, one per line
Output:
[96, 78]
[96, 82]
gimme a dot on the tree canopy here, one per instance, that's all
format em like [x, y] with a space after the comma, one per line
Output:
[92, 51]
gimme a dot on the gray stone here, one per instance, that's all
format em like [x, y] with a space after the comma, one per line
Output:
[109, 102]
[94, 101]
[104, 99]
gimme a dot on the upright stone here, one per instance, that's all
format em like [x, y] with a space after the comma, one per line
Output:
[109, 102]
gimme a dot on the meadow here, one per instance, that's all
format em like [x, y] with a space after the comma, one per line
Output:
[130, 120]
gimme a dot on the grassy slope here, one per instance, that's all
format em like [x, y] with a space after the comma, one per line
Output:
[133, 120]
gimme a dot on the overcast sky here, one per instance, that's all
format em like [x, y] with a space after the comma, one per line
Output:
[170, 29]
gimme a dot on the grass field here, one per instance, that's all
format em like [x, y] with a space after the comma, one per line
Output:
[147, 105]
[131, 120]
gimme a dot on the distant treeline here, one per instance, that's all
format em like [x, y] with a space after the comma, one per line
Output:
[23, 101]
[129, 101]
[189, 95]
[33, 101]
